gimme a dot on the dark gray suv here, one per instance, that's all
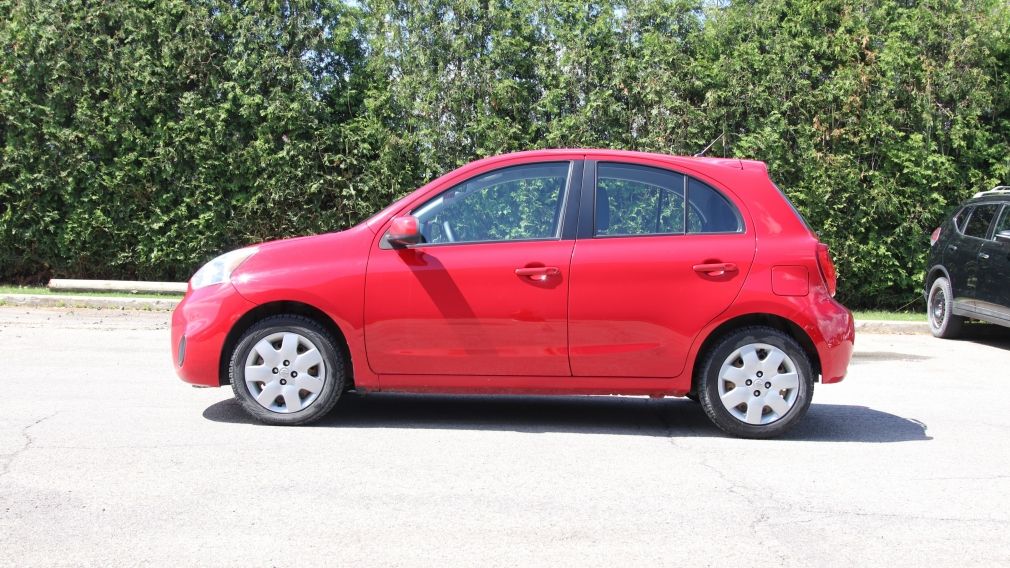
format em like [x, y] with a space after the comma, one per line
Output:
[969, 265]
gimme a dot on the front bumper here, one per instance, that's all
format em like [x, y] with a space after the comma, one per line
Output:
[200, 327]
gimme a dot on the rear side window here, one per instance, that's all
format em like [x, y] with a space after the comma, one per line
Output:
[642, 200]
[638, 200]
[980, 219]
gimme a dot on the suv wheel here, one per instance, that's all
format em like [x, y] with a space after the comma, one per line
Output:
[757, 382]
[287, 370]
[942, 321]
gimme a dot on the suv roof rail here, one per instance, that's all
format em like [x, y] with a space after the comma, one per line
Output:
[999, 189]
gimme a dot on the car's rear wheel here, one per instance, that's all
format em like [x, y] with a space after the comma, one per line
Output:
[942, 321]
[757, 382]
[287, 370]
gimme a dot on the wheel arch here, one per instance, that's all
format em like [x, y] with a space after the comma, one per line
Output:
[769, 320]
[279, 308]
[934, 273]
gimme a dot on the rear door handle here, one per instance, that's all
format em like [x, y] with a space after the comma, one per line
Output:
[952, 248]
[716, 268]
[538, 272]
[983, 255]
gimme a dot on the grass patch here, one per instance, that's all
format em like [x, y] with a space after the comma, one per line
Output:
[110, 294]
[890, 316]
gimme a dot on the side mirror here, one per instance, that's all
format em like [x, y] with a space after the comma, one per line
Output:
[404, 231]
[1003, 236]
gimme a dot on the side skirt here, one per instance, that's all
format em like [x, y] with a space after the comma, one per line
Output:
[678, 386]
[968, 311]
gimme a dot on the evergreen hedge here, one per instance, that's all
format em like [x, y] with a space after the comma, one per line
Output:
[140, 138]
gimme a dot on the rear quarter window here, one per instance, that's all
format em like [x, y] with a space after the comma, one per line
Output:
[961, 218]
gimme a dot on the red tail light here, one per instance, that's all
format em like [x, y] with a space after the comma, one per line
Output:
[934, 237]
[827, 266]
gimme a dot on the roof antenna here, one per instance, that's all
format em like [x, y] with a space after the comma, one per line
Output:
[702, 153]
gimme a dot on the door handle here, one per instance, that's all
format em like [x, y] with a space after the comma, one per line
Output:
[538, 272]
[952, 248]
[983, 255]
[716, 268]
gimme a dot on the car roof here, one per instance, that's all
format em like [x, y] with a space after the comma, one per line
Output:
[987, 199]
[998, 193]
[601, 153]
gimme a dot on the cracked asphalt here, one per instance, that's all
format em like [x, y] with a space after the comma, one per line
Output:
[107, 459]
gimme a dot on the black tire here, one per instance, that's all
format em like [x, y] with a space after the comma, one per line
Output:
[720, 353]
[942, 321]
[333, 362]
[692, 396]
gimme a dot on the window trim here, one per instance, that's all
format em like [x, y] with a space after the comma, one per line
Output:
[588, 230]
[962, 209]
[559, 234]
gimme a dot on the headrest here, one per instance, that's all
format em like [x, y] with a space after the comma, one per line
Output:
[602, 209]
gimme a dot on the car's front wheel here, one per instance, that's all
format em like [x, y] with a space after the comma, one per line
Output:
[287, 370]
[942, 321]
[757, 382]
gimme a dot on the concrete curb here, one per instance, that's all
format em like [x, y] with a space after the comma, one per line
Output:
[128, 286]
[96, 302]
[893, 327]
[168, 304]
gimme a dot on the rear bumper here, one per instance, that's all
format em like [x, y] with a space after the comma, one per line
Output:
[200, 326]
[834, 337]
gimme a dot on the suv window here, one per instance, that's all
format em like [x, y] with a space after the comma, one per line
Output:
[516, 203]
[1004, 221]
[981, 218]
[642, 200]
[961, 217]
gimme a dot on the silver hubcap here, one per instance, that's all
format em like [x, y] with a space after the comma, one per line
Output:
[758, 384]
[285, 372]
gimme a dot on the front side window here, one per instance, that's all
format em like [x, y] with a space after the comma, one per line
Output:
[642, 200]
[515, 203]
[1004, 221]
[981, 218]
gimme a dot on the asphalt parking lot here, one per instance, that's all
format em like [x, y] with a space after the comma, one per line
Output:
[107, 459]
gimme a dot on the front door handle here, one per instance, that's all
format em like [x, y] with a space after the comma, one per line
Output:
[983, 255]
[716, 268]
[540, 273]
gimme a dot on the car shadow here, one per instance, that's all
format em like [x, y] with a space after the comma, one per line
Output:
[986, 334]
[629, 416]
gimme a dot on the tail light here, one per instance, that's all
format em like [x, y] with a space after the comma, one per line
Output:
[827, 266]
[934, 237]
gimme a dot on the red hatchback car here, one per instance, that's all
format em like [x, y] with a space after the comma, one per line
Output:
[554, 271]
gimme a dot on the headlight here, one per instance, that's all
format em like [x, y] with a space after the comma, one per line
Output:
[219, 270]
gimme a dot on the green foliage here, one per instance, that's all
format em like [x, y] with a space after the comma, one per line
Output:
[140, 138]
[875, 117]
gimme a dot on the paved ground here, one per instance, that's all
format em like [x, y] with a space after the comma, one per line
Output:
[107, 459]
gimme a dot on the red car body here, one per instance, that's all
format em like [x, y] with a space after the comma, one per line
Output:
[571, 315]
